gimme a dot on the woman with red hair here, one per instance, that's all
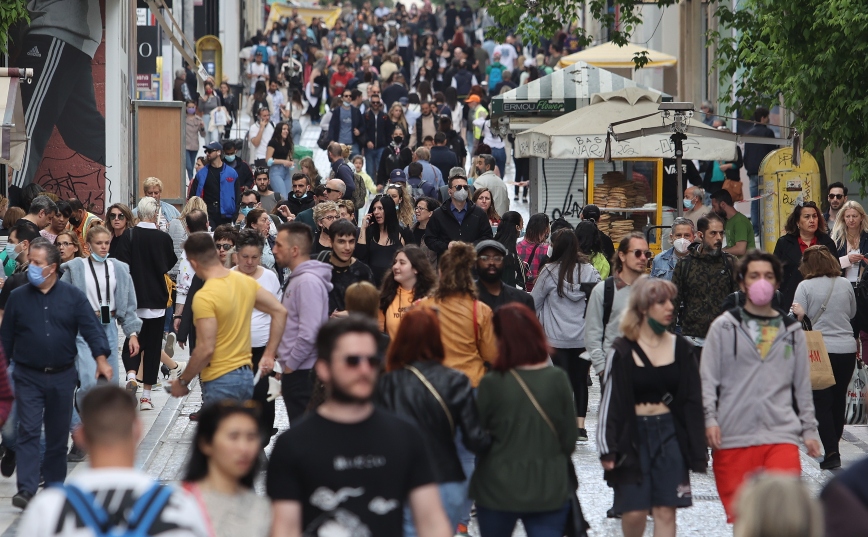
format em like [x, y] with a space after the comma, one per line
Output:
[438, 399]
[527, 407]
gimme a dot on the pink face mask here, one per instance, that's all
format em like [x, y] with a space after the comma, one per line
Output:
[761, 292]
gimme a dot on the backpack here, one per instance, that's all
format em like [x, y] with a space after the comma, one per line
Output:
[258, 104]
[360, 194]
[142, 516]
[608, 298]
[417, 190]
[495, 77]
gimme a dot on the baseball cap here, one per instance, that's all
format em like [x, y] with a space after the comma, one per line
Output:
[591, 212]
[404, 101]
[473, 99]
[398, 176]
[213, 146]
[489, 243]
[457, 171]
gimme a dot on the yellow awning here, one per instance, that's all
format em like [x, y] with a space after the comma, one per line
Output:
[611, 56]
[279, 10]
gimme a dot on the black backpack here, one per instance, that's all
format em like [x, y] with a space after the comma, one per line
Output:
[608, 298]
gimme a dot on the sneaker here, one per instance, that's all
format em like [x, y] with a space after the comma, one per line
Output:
[524, 200]
[194, 416]
[145, 404]
[76, 454]
[515, 198]
[583, 434]
[164, 369]
[22, 499]
[169, 347]
[7, 463]
[612, 514]
[461, 531]
[832, 461]
[178, 371]
[132, 386]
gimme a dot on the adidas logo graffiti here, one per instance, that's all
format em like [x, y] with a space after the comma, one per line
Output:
[34, 52]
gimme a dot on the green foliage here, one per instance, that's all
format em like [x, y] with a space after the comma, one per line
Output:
[11, 12]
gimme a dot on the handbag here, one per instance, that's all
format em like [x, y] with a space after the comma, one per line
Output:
[323, 140]
[435, 393]
[822, 376]
[855, 408]
[576, 525]
[734, 188]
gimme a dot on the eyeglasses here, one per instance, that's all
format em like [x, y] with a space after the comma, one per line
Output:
[836, 196]
[355, 361]
[461, 187]
[330, 217]
[328, 190]
[347, 96]
[64, 244]
[249, 205]
[223, 246]
[648, 254]
[420, 208]
[495, 258]
[117, 216]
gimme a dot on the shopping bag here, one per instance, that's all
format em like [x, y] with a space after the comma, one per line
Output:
[821, 367]
[734, 188]
[856, 412]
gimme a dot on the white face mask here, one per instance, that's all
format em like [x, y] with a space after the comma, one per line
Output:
[681, 245]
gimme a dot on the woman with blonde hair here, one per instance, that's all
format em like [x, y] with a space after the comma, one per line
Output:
[324, 216]
[307, 167]
[850, 234]
[823, 286]
[397, 117]
[400, 194]
[179, 232]
[777, 505]
[652, 426]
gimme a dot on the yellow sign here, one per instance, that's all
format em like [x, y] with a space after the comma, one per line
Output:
[790, 185]
[278, 11]
[209, 49]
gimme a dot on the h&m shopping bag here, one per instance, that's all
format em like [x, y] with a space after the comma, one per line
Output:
[821, 367]
[856, 411]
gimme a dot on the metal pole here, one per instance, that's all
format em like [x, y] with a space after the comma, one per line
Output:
[677, 139]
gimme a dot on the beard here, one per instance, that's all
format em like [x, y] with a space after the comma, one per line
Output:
[340, 395]
[489, 277]
[714, 249]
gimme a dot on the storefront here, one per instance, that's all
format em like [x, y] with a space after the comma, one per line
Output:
[13, 137]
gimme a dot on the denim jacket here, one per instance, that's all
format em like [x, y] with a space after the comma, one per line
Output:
[664, 265]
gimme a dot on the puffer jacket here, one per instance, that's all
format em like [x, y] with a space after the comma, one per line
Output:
[703, 281]
[404, 393]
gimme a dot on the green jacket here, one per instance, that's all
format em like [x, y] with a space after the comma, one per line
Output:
[703, 281]
[526, 467]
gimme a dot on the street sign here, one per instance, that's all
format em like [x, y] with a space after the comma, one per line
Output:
[148, 49]
[143, 82]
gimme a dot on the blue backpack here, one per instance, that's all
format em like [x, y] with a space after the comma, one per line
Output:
[142, 515]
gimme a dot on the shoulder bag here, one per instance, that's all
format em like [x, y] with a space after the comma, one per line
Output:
[435, 393]
[822, 376]
[576, 525]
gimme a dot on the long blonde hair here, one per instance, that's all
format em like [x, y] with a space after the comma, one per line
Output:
[839, 230]
[192, 204]
[644, 293]
[407, 216]
[763, 500]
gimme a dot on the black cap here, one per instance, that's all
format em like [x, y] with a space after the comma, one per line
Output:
[591, 212]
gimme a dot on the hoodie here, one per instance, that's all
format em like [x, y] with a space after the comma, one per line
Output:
[297, 205]
[562, 318]
[306, 300]
[754, 401]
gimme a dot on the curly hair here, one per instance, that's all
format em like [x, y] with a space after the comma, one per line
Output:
[456, 277]
[321, 210]
[426, 278]
[408, 211]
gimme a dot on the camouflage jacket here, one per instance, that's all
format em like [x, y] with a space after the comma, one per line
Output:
[703, 282]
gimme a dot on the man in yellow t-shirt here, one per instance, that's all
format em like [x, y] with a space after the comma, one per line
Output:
[221, 313]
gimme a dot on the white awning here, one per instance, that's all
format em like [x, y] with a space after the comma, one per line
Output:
[13, 136]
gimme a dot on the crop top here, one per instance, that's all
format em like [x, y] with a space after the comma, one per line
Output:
[649, 386]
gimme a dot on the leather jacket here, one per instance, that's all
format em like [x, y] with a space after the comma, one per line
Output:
[404, 394]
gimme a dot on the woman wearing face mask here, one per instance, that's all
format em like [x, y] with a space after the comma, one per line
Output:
[396, 155]
[69, 245]
[403, 203]
[412, 277]
[278, 156]
[381, 236]
[222, 468]
[652, 429]
[397, 118]
[533, 247]
[194, 128]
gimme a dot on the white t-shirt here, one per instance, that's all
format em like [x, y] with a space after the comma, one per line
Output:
[508, 55]
[116, 489]
[92, 295]
[260, 150]
[259, 71]
[260, 323]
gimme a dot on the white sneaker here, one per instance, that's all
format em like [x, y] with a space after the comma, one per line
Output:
[145, 404]
[178, 371]
[169, 347]
[132, 386]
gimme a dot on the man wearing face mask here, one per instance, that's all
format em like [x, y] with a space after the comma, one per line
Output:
[17, 248]
[217, 184]
[301, 197]
[234, 161]
[395, 156]
[694, 199]
[249, 201]
[377, 125]
[39, 338]
[681, 238]
[458, 219]
[704, 277]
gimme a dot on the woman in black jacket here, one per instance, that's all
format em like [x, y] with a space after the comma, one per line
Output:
[805, 227]
[652, 428]
[438, 399]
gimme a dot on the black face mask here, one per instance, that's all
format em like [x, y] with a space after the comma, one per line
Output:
[398, 140]
[74, 221]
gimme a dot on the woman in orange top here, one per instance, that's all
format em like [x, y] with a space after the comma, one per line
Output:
[466, 327]
[410, 279]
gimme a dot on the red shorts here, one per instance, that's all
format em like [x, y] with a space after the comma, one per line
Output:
[732, 466]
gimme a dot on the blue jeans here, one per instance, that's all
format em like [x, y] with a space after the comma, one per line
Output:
[237, 385]
[281, 180]
[453, 497]
[755, 205]
[468, 464]
[191, 162]
[499, 155]
[494, 523]
[44, 399]
[86, 366]
[372, 161]
[296, 132]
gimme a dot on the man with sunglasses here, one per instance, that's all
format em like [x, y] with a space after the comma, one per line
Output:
[349, 466]
[378, 126]
[458, 219]
[837, 198]
[334, 191]
[704, 278]
[218, 186]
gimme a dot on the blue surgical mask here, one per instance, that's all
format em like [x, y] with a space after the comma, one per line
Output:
[98, 259]
[229, 158]
[398, 208]
[34, 274]
[246, 210]
[688, 204]
[11, 253]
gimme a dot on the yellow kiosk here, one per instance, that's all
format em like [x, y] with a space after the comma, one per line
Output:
[209, 49]
[788, 186]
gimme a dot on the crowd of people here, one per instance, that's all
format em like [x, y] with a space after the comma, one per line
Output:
[433, 350]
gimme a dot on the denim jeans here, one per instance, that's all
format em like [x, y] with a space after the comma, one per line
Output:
[281, 180]
[468, 464]
[191, 162]
[296, 132]
[44, 399]
[453, 497]
[372, 161]
[499, 154]
[86, 366]
[755, 205]
[494, 523]
[237, 385]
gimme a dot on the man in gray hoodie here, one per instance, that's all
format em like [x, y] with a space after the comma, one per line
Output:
[307, 304]
[755, 374]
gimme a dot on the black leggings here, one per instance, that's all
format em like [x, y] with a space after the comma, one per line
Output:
[260, 394]
[151, 345]
[830, 404]
[577, 370]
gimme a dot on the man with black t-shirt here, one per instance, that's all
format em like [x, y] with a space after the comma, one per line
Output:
[348, 466]
[346, 269]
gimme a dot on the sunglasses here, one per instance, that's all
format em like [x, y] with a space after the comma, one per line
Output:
[648, 254]
[209, 151]
[347, 96]
[225, 247]
[355, 361]
[836, 196]
[328, 190]
[117, 216]
[249, 205]
[461, 187]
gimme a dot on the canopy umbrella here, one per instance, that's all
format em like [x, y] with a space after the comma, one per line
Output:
[611, 56]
